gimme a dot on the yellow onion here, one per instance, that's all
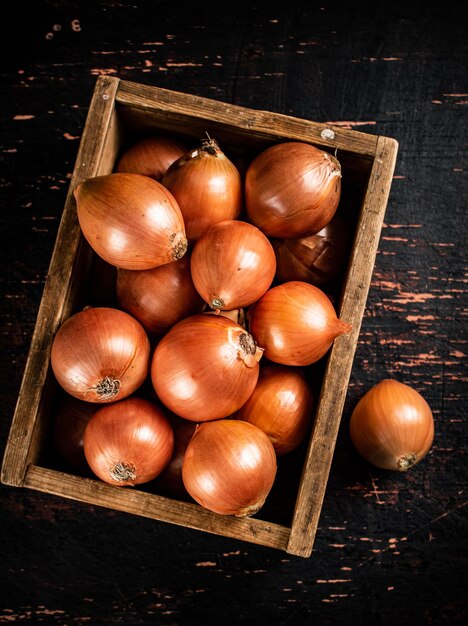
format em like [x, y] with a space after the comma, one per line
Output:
[131, 221]
[100, 355]
[295, 323]
[292, 189]
[159, 297]
[392, 426]
[232, 265]
[128, 442]
[281, 406]
[151, 156]
[205, 367]
[229, 467]
[207, 186]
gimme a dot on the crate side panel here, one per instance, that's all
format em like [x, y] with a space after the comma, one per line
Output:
[60, 287]
[261, 124]
[338, 370]
[156, 507]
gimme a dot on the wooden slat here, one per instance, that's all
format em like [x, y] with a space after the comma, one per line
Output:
[155, 507]
[60, 281]
[320, 453]
[263, 124]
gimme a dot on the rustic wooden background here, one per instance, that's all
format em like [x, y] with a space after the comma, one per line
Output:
[390, 548]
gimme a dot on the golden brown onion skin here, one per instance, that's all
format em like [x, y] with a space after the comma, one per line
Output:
[159, 297]
[207, 187]
[295, 323]
[232, 265]
[292, 189]
[229, 467]
[205, 367]
[392, 426]
[281, 405]
[129, 442]
[100, 355]
[130, 221]
[151, 156]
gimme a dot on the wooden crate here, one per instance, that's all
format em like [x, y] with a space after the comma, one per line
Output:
[119, 111]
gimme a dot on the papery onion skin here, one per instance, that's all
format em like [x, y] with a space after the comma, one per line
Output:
[205, 367]
[292, 189]
[233, 264]
[71, 418]
[229, 467]
[170, 480]
[100, 355]
[392, 426]
[159, 297]
[129, 442]
[281, 405]
[151, 156]
[295, 323]
[207, 187]
[316, 259]
[131, 221]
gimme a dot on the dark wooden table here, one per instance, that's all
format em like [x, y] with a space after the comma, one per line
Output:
[390, 547]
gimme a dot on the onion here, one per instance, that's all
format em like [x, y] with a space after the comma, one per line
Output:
[317, 259]
[129, 442]
[392, 426]
[205, 367]
[159, 297]
[100, 355]
[292, 189]
[70, 423]
[233, 264]
[281, 406]
[229, 467]
[170, 480]
[295, 323]
[151, 156]
[207, 186]
[131, 221]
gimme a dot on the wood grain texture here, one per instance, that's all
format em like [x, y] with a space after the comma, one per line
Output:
[389, 548]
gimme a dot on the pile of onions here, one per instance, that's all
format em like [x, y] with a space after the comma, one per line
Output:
[128, 442]
[292, 189]
[224, 415]
[232, 265]
[392, 426]
[205, 367]
[131, 221]
[207, 186]
[229, 467]
[295, 323]
[100, 355]
[159, 297]
[151, 156]
[281, 406]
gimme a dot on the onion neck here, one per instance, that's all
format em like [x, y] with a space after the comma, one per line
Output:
[406, 461]
[107, 388]
[249, 352]
[210, 146]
